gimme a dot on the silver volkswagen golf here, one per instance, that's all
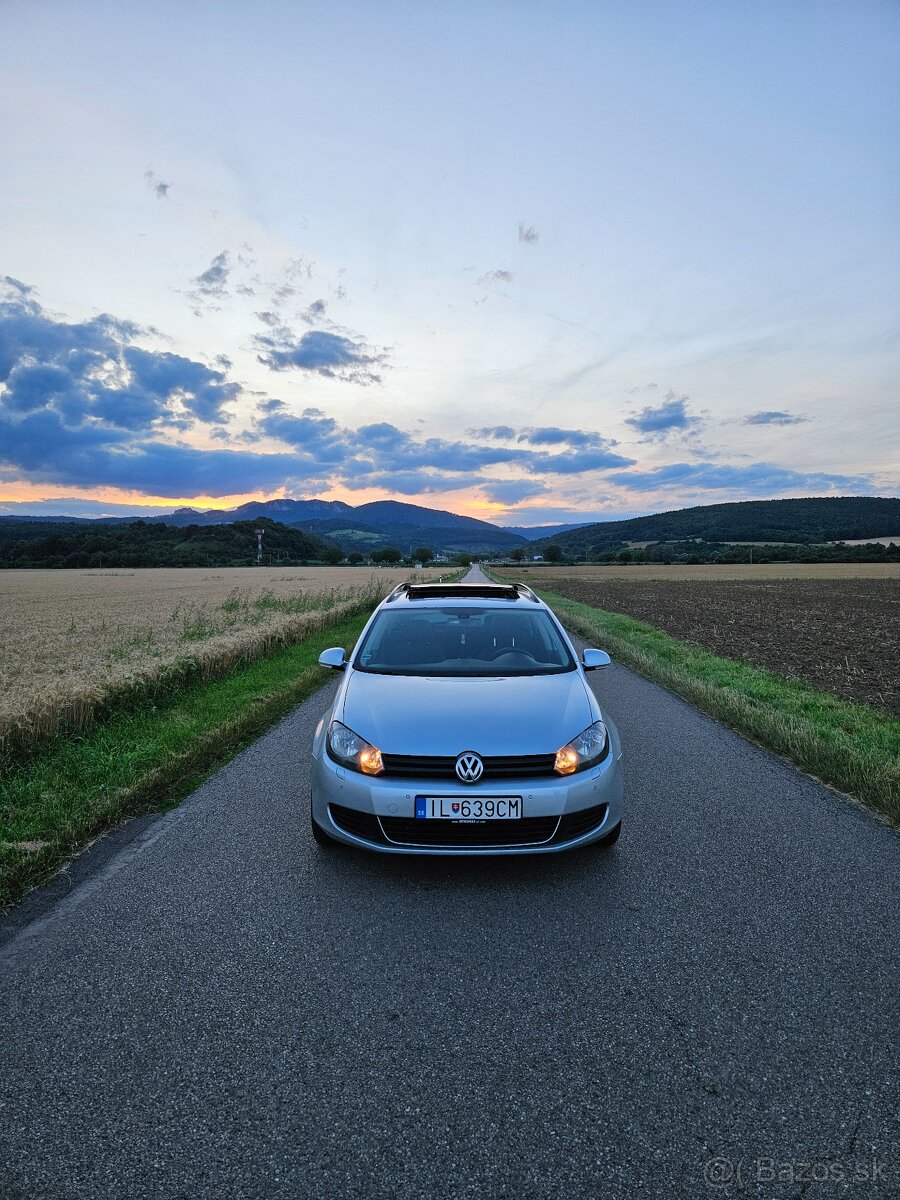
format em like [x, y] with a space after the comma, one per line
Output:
[464, 724]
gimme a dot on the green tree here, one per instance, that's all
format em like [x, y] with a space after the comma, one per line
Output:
[517, 555]
[390, 554]
[553, 553]
[423, 554]
[354, 558]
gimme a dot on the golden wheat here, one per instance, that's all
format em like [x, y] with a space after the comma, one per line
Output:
[74, 641]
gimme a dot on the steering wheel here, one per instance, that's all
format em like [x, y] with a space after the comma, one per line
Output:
[511, 650]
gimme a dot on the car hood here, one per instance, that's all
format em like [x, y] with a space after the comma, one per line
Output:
[523, 715]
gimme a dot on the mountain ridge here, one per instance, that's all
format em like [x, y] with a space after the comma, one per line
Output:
[380, 523]
[810, 519]
[365, 527]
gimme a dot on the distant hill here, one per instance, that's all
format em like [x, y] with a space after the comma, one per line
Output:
[145, 544]
[392, 512]
[811, 521]
[365, 527]
[406, 526]
[357, 535]
[330, 524]
[287, 512]
[533, 533]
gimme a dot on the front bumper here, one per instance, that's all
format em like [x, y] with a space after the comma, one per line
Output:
[379, 813]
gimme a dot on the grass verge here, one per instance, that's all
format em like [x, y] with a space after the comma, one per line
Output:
[145, 757]
[850, 746]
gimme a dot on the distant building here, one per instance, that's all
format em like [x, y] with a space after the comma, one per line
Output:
[537, 558]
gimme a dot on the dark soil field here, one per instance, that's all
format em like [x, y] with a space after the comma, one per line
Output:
[839, 635]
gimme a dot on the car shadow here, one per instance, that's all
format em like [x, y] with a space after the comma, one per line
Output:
[523, 873]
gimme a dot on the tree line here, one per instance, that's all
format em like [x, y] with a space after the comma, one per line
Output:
[717, 552]
[138, 544]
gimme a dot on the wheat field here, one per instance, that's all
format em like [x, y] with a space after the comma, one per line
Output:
[71, 641]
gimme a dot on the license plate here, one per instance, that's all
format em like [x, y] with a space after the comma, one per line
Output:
[490, 808]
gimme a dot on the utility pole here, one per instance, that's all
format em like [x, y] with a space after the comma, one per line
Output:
[259, 538]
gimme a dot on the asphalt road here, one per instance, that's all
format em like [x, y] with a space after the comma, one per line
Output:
[217, 1008]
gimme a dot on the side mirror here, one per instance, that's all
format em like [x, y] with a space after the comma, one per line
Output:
[592, 659]
[333, 658]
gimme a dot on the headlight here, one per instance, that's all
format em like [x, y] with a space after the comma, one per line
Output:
[354, 752]
[589, 747]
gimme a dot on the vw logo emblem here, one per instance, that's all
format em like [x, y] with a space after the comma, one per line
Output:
[469, 768]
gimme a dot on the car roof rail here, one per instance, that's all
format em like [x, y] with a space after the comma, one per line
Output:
[524, 590]
[397, 592]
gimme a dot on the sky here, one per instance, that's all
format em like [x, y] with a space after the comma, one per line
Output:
[529, 262]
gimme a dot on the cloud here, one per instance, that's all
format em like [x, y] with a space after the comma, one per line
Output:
[200, 389]
[774, 418]
[500, 433]
[16, 285]
[92, 456]
[299, 268]
[401, 451]
[760, 478]
[82, 404]
[213, 280]
[528, 234]
[383, 436]
[498, 276]
[211, 284]
[282, 293]
[512, 491]
[315, 312]
[383, 447]
[85, 404]
[552, 435]
[317, 435]
[79, 399]
[667, 418]
[575, 462]
[156, 185]
[29, 336]
[329, 354]
[122, 385]
[413, 483]
[77, 506]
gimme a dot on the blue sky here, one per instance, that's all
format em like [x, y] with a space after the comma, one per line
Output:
[531, 262]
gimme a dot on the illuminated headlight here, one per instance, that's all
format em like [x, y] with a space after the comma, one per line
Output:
[352, 751]
[589, 747]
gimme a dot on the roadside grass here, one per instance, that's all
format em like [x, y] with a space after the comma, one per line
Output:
[146, 755]
[852, 747]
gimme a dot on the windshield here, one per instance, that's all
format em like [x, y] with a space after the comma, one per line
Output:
[464, 641]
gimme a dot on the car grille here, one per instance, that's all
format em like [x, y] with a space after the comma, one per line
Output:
[577, 824]
[528, 831]
[360, 824]
[407, 831]
[418, 766]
